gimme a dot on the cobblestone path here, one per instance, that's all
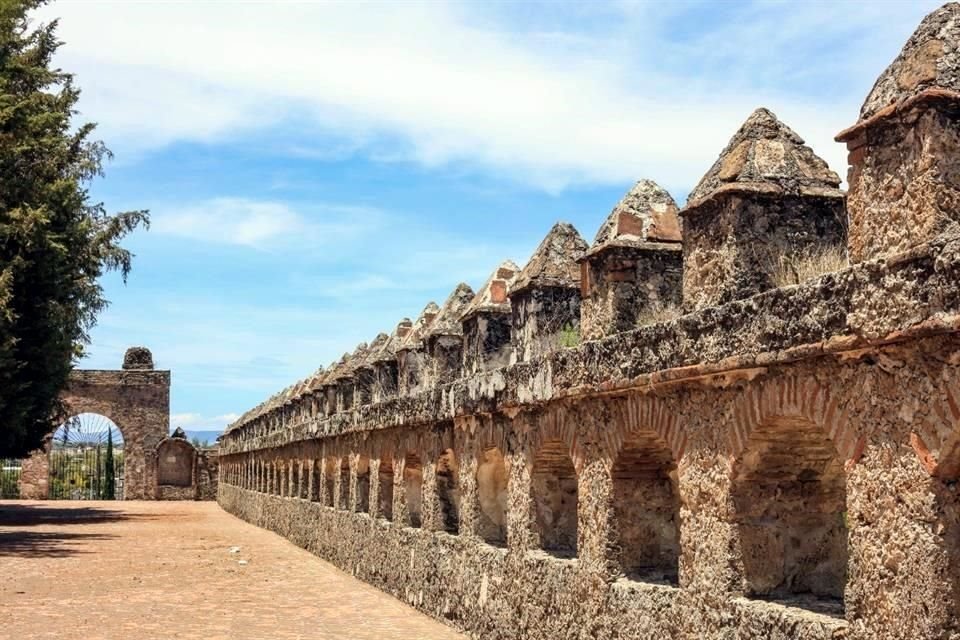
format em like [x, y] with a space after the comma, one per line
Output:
[159, 570]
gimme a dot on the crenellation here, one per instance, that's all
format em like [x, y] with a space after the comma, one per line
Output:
[775, 457]
[413, 365]
[904, 180]
[766, 210]
[632, 274]
[545, 296]
[444, 337]
[487, 323]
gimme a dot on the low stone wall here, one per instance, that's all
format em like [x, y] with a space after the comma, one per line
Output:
[799, 488]
[498, 594]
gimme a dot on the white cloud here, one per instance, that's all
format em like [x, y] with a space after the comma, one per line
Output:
[261, 224]
[551, 107]
[197, 422]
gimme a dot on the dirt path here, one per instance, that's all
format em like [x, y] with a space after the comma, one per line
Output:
[158, 570]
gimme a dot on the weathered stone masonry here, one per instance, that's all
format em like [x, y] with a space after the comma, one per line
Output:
[733, 461]
[158, 466]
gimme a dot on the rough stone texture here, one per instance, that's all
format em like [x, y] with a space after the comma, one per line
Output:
[904, 177]
[137, 400]
[444, 337]
[545, 296]
[628, 286]
[929, 59]
[765, 156]
[138, 358]
[554, 263]
[767, 203]
[634, 270]
[646, 213]
[413, 364]
[486, 323]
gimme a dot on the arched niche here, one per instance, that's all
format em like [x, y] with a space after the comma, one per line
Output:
[646, 509]
[554, 500]
[176, 463]
[448, 491]
[413, 489]
[789, 499]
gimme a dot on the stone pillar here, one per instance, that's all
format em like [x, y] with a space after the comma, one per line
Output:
[291, 485]
[300, 480]
[35, 474]
[401, 515]
[633, 273]
[594, 489]
[374, 488]
[769, 213]
[519, 465]
[469, 494]
[311, 487]
[430, 513]
[904, 171]
[353, 496]
[545, 296]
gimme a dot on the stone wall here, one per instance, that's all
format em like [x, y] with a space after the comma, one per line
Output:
[778, 462]
[783, 477]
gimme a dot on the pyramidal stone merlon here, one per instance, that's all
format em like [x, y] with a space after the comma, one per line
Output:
[904, 151]
[384, 363]
[767, 205]
[486, 322]
[412, 361]
[444, 337]
[545, 296]
[634, 271]
[765, 156]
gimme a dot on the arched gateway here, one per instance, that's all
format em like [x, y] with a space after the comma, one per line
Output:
[136, 399]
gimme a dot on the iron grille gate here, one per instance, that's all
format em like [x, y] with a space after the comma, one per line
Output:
[9, 478]
[86, 460]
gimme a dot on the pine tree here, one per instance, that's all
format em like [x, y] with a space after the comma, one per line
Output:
[109, 491]
[54, 241]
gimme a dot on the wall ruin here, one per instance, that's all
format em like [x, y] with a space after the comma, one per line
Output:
[768, 462]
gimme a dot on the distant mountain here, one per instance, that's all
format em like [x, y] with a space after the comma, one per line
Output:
[210, 437]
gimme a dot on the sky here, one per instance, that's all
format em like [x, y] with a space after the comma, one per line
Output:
[316, 172]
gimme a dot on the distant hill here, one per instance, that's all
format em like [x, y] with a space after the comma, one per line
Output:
[210, 437]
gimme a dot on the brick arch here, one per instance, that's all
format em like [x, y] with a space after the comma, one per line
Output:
[937, 440]
[791, 396]
[555, 424]
[635, 413]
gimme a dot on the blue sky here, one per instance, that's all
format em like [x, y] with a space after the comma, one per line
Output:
[315, 172]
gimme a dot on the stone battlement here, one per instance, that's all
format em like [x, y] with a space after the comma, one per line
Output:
[707, 424]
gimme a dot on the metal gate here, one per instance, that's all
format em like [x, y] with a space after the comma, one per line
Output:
[9, 478]
[86, 460]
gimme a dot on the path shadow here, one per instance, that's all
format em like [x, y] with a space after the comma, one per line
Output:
[45, 544]
[31, 515]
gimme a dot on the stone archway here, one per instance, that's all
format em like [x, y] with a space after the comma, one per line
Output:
[137, 399]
